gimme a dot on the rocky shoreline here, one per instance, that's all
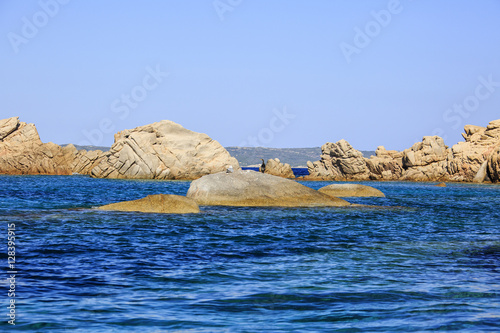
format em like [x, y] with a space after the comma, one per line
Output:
[475, 160]
[163, 150]
[166, 150]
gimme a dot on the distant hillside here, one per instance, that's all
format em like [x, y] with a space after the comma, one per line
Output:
[296, 157]
[88, 148]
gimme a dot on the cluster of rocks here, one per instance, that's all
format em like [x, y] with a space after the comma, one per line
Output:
[476, 159]
[250, 188]
[163, 150]
[246, 189]
[276, 168]
[166, 150]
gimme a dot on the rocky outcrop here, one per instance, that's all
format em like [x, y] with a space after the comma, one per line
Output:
[276, 168]
[23, 153]
[159, 203]
[351, 190]
[470, 158]
[250, 188]
[386, 165]
[428, 160]
[339, 161]
[163, 150]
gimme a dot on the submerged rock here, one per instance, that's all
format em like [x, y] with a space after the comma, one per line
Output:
[158, 203]
[440, 185]
[351, 190]
[163, 150]
[250, 188]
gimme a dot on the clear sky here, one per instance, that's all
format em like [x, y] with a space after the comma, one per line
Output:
[272, 73]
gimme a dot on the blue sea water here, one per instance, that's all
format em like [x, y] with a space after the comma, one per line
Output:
[298, 172]
[430, 262]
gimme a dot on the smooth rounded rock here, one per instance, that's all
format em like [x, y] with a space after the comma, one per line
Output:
[252, 189]
[351, 190]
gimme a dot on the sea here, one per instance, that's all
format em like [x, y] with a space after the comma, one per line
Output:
[422, 259]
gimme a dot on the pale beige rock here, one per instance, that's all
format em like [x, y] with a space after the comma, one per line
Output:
[159, 203]
[276, 168]
[351, 190]
[163, 150]
[250, 188]
[482, 173]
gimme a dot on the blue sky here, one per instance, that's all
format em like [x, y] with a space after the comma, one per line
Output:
[280, 73]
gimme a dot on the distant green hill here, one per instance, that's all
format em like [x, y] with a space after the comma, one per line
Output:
[296, 157]
[88, 148]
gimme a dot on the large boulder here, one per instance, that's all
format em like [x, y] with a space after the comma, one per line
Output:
[23, 153]
[351, 190]
[158, 203]
[163, 150]
[250, 188]
[276, 168]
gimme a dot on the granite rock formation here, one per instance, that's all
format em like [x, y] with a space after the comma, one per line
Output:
[429, 160]
[469, 159]
[276, 168]
[249, 188]
[23, 153]
[163, 150]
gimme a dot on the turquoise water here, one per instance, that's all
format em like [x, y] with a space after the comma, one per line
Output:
[429, 263]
